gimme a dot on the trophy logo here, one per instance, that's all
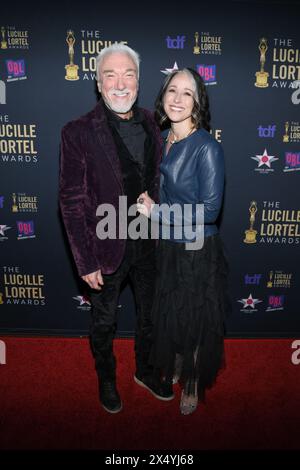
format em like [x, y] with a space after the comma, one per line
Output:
[286, 135]
[71, 68]
[3, 42]
[196, 47]
[14, 207]
[251, 233]
[270, 282]
[1, 298]
[262, 76]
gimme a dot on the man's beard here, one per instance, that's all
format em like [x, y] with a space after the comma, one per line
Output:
[121, 108]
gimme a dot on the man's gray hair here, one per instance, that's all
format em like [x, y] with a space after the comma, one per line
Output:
[118, 48]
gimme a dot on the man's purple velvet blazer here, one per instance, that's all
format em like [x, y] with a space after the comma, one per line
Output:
[90, 175]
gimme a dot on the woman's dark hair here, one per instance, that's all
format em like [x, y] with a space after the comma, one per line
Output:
[200, 113]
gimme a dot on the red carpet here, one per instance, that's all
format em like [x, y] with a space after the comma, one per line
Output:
[49, 400]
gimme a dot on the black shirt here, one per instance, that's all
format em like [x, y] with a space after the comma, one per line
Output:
[130, 136]
[131, 132]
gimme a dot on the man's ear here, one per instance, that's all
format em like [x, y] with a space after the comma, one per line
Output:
[99, 86]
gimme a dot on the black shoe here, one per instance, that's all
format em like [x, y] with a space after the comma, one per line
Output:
[161, 390]
[109, 396]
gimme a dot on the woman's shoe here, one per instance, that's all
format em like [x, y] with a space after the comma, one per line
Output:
[188, 403]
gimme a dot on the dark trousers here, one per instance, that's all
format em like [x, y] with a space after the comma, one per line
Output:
[139, 265]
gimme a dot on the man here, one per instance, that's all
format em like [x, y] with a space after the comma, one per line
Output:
[112, 151]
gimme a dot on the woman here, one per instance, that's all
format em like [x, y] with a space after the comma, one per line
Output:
[191, 295]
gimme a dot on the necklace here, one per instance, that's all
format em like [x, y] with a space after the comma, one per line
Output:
[175, 140]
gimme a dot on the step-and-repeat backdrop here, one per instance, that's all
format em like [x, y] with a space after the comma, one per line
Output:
[248, 53]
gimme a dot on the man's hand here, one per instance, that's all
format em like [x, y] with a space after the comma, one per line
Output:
[94, 280]
[145, 204]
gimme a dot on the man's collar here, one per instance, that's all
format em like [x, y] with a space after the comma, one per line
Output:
[115, 119]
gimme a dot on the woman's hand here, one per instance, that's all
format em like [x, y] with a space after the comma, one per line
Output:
[145, 204]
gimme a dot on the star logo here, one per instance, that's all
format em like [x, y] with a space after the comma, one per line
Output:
[264, 159]
[3, 229]
[249, 302]
[168, 71]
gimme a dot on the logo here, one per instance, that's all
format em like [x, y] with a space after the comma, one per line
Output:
[286, 137]
[2, 92]
[22, 288]
[252, 280]
[24, 203]
[266, 131]
[262, 76]
[3, 43]
[89, 45]
[292, 161]
[282, 58]
[84, 303]
[175, 43]
[13, 38]
[279, 226]
[250, 233]
[279, 279]
[17, 142]
[264, 160]
[285, 67]
[208, 44]
[25, 230]
[275, 303]
[3, 229]
[292, 131]
[71, 68]
[15, 70]
[249, 304]
[208, 73]
[168, 71]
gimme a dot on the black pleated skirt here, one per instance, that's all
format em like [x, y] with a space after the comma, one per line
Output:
[190, 306]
